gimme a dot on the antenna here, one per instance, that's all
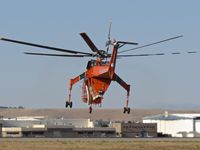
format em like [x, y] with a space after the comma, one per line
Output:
[109, 40]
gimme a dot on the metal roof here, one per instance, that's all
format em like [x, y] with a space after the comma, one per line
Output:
[166, 117]
[103, 129]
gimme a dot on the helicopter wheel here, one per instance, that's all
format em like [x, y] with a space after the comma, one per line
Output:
[67, 104]
[70, 104]
[90, 109]
[127, 110]
[124, 110]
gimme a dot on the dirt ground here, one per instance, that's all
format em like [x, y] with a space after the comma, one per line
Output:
[99, 144]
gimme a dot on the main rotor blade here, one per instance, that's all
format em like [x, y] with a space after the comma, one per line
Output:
[136, 55]
[58, 55]
[156, 54]
[43, 46]
[151, 44]
[90, 43]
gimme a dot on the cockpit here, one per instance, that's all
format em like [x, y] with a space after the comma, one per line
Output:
[93, 63]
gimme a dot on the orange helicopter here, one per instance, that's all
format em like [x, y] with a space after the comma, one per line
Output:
[100, 71]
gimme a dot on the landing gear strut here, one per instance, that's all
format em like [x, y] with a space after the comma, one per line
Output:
[126, 108]
[68, 104]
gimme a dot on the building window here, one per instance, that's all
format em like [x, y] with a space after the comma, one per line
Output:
[12, 133]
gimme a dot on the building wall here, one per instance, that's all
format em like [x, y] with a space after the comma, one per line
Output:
[52, 127]
[79, 123]
[12, 132]
[95, 132]
[118, 128]
[21, 123]
[176, 128]
[136, 129]
[54, 132]
[32, 121]
[197, 126]
[0, 129]
[70, 132]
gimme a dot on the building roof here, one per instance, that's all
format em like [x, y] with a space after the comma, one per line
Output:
[103, 129]
[166, 117]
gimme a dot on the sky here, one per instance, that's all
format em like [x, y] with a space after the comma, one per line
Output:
[156, 82]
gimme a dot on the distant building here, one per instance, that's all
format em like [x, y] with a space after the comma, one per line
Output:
[176, 125]
[11, 132]
[132, 129]
[40, 126]
[1, 129]
[41, 120]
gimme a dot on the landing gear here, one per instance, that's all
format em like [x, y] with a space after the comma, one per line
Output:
[127, 110]
[68, 104]
[90, 109]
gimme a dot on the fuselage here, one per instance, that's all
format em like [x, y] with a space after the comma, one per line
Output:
[97, 79]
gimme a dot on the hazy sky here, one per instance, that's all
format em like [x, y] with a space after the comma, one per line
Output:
[156, 82]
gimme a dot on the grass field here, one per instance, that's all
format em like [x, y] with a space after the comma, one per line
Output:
[99, 145]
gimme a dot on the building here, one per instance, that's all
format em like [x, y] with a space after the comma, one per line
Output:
[41, 120]
[13, 132]
[40, 126]
[176, 125]
[0, 129]
[95, 132]
[132, 129]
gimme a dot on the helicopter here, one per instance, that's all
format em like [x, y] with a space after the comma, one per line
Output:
[100, 70]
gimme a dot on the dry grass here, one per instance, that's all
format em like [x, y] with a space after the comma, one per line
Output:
[98, 145]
